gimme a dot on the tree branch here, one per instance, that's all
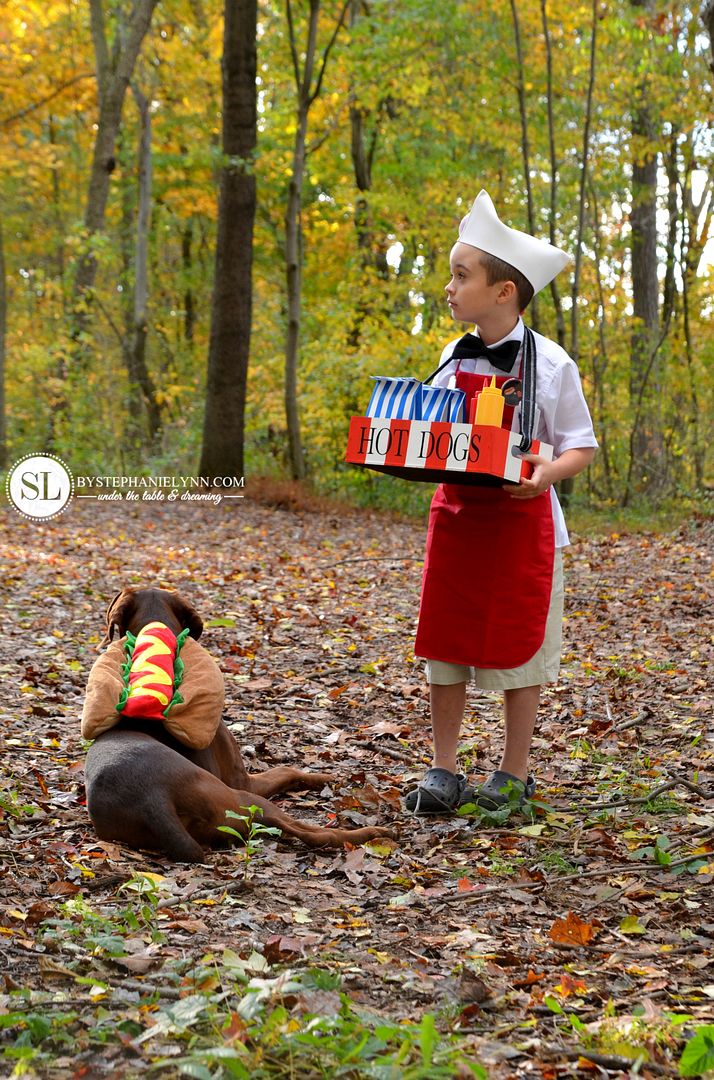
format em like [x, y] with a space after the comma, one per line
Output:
[99, 38]
[328, 50]
[293, 47]
[7, 120]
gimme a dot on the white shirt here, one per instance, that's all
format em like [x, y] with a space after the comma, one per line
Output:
[564, 420]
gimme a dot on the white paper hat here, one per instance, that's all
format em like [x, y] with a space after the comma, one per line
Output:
[537, 260]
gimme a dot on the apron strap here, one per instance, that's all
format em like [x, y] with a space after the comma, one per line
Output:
[435, 373]
[528, 402]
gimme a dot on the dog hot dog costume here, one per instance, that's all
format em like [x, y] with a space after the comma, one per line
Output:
[156, 676]
[152, 673]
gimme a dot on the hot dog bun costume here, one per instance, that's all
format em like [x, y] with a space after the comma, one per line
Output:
[488, 567]
[157, 676]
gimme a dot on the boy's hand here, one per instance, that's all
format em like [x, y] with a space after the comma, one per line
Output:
[546, 473]
[540, 481]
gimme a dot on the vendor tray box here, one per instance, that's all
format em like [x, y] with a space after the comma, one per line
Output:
[439, 452]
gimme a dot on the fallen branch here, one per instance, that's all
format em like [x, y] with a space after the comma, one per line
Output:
[642, 799]
[377, 748]
[171, 992]
[646, 714]
[612, 1062]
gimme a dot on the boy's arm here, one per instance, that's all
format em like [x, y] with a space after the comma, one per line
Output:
[547, 473]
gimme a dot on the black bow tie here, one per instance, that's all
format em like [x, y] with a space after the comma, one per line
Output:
[471, 347]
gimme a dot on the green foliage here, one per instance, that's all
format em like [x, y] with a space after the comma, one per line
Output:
[101, 933]
[344, 1041]
[698, 1055]
[659, 853]
[252, 834]
[256, 1028]
[10, 804]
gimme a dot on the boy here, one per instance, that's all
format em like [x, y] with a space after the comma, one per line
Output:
[492, 591]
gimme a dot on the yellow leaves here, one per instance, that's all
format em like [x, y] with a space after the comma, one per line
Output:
[569, 986]
[631, 925]
[171, 393]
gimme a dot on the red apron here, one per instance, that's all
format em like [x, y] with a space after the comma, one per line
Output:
[488, 572]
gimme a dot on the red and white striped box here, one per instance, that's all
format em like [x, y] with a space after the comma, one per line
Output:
[438, 452]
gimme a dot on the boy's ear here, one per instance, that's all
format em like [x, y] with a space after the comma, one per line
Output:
[507, 291]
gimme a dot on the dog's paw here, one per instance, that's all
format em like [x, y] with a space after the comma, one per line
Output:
[318, 780]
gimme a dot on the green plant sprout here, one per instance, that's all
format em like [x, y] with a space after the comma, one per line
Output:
[253, 833]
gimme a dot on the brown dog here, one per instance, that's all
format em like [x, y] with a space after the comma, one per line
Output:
[146, 789]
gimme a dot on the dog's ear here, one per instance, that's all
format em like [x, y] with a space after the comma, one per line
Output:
[186, 614]
[119, 614]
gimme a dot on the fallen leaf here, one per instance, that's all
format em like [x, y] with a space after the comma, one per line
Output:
[632, 925]
[572, 930]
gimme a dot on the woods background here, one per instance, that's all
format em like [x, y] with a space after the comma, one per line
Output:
[138, 170]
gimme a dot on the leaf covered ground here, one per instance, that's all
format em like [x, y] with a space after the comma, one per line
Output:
[573, 942]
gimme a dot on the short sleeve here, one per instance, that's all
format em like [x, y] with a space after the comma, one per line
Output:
[565, 411]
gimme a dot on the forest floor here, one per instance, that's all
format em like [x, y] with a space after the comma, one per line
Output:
[576, 943]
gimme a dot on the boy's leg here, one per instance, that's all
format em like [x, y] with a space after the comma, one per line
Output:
[442, 788]
[521, 709]
[447, 713]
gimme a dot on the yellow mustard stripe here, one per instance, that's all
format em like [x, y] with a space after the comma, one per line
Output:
[145, 663]
[148, 691]
[152, 648]
[150, 675]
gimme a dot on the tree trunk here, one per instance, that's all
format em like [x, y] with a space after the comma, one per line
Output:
[708, 21]
[113, 75]
[293, 271]
[696, 222]
[646, 442]
[554, 290]
[231, 312]
[303, 71]
[574, 326]
[3, 333]
[525, 144]
[669, 293]
[189, 317]
[133, 435]
[60, 229]
[362, 151]
[138, 369]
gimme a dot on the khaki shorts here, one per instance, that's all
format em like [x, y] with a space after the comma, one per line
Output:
[541, 668]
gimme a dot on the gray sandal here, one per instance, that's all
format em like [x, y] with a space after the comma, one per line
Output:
[440, 792]
[503, 789]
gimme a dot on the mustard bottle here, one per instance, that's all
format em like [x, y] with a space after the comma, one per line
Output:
[489, 407]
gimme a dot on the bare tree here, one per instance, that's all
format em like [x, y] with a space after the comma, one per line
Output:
[3, 333]
[554, 288]
[525, 140]
[307, 87]
[229, 346]
[584, 162]
[115, 66]
[364, 136]
[135, 345]
[646, 443]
